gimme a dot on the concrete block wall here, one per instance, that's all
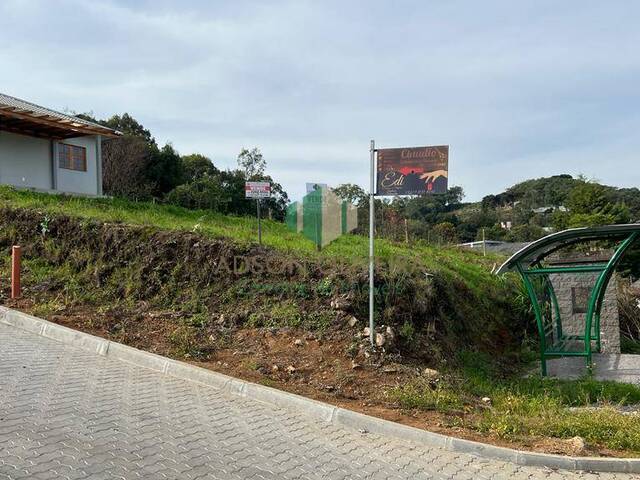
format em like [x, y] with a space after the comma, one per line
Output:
[572, 292]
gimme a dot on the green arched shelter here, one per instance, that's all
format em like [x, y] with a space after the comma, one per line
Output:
[539, 277]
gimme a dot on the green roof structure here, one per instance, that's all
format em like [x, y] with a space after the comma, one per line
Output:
[540, 273]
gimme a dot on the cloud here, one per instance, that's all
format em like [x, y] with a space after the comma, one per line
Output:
[518, 89]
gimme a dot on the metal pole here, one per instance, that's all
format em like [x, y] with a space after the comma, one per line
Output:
[372, 334]
[259, 224]
[15, 272]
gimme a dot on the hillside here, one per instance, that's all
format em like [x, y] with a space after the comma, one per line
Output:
[193, 285]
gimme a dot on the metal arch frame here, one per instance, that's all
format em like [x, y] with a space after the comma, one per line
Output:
[528, 262]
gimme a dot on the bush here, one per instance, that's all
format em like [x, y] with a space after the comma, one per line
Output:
[204, 193]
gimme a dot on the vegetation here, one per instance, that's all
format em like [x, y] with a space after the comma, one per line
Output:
[478, 397]
[523, 213]
[197, 262]
[136, 168]
[124, 258]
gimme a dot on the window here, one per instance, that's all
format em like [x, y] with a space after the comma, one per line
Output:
[580, 299]
[72, 157]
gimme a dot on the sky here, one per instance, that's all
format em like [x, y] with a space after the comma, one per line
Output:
[518, 89]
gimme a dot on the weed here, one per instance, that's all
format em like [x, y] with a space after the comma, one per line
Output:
[251, 364]
[48, 308]
[407, 331]
[187, 343]
[198, 320]
[325, 287]
[425, 395]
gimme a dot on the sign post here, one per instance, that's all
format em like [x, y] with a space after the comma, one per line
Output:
[402, 171]
[372, 192]
[259, 222]
[257, 190]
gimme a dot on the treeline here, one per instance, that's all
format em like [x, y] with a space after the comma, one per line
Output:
[524, 212]
[137, 168]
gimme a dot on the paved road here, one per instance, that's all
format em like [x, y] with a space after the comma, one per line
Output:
[66, 413]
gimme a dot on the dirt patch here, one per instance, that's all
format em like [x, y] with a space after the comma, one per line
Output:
[310, 364]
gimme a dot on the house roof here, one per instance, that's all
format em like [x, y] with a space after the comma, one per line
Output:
[542, 248]
[20, 116]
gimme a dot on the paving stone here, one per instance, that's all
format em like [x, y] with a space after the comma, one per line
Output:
[72, 414]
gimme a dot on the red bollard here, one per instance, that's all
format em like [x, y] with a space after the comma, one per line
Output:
[15, 271]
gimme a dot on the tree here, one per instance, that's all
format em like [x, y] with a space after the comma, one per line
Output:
[587, 198]
[252, 163]
[196, 166]
[525, 233]
[445, 232]
[128, 125]
[165, 171]
[433, 209]
[352, 193]
[124, 164]
[591, 204]
[206, 192]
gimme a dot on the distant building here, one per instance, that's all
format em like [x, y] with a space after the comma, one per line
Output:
[495, 246]
[49, 151]
[551, 209]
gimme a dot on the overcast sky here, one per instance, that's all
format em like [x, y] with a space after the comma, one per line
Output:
[518, 89]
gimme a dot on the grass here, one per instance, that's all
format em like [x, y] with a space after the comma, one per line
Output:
[354, 248]
[529, 406]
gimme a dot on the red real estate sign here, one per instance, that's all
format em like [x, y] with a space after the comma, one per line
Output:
[257, 190]
[413, 171]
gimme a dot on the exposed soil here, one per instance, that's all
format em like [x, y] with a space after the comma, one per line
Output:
[308, 364]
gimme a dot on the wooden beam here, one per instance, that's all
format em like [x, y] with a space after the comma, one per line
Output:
[57, 123]
[31, 133]
[32, 128]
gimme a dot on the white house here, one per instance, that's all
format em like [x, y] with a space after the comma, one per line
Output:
[49, 151]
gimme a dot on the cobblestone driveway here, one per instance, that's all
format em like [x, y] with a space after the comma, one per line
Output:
[66, 413]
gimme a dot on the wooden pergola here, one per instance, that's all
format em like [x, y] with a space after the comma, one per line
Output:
[18, 116]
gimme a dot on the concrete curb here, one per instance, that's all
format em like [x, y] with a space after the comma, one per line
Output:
[318, 410]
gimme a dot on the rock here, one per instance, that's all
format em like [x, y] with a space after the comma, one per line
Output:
[355, 365]
[353, 321]
[339, 303]
[430, 373]
[291, 369]
[390, 335]
[577, 445]
[380, 339]
[298, 342]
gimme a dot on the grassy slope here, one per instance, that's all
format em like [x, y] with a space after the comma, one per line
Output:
[466, 265]
[519, 407]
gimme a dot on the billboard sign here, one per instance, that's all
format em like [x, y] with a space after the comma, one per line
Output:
[412, 171]
[257, 190]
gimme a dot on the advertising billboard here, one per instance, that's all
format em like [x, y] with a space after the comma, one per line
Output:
[412, 171]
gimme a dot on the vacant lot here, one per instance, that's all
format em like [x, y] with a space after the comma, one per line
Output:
[193, 286]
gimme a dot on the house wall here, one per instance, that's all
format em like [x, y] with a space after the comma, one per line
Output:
[72, 181]
[25, 161]
[32, 162]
